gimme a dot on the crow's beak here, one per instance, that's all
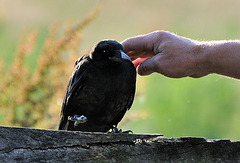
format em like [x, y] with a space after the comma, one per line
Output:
[125, 56]
[120, 57]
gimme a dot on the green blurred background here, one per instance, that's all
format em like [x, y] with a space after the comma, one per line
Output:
[207, 107]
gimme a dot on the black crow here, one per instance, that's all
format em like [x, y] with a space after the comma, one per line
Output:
[100, 90]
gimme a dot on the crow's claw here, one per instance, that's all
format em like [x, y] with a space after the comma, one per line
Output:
[116, 130]
[127, 132]
[77, 119]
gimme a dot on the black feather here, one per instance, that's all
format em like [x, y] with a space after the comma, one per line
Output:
[102, 88]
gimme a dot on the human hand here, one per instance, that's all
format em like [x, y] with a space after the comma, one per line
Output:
[165, 53]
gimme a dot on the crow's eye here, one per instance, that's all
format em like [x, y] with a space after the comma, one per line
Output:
[105, 52]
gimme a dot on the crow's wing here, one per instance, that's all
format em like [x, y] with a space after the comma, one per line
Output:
[130, 98]
[74, 84]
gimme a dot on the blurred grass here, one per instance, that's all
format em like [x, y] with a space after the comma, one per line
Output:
[190, 107]
[206, 107]
[32, 100]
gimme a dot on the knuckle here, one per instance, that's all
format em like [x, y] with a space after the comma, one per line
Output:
[161, 40]
[162, 34]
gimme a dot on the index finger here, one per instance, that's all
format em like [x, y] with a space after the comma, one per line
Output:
[135, 44]
[141, 43]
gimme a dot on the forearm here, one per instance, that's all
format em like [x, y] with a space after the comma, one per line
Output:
[220, 57]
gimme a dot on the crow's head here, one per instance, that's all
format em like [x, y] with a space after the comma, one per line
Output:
[109, 50]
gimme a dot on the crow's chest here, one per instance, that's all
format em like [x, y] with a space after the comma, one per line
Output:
[108, 78]
[103, 85]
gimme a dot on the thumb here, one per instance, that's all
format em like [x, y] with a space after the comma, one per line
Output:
[147, 67]
[199, 75]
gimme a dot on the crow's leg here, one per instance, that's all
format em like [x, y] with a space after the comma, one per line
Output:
[77, 119]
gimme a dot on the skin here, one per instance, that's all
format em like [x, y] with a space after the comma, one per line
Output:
[176, 57]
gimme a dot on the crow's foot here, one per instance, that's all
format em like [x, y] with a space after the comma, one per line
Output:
[77, 119]
[128, 132]
[116, 130]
